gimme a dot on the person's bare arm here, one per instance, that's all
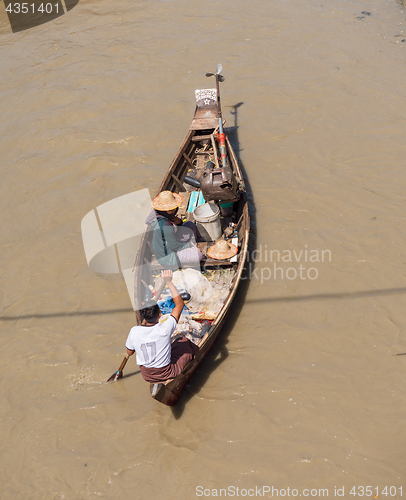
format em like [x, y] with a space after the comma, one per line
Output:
[177, 310]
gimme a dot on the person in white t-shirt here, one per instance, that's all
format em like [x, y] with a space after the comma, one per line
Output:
[159, 360]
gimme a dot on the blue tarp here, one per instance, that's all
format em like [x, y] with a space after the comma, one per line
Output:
[168, 304]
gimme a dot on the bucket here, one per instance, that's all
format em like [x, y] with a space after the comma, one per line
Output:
[207, 217]
[226, 208]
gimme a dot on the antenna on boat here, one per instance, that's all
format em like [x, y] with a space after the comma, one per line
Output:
[220, 78]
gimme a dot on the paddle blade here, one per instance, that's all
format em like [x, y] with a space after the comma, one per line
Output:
[119, 373]
[115, 376]
[219, 68]
[221, 78]
[210, 74]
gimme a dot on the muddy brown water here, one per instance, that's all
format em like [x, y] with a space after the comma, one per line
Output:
[303, 390]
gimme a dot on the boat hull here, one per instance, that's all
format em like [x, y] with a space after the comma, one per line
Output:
[204, 125]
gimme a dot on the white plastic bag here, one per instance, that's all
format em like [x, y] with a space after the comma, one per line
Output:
[203, 294]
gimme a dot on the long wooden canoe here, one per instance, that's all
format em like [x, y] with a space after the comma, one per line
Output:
[197, 148]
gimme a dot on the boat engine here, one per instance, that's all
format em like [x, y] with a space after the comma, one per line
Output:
[218, 184]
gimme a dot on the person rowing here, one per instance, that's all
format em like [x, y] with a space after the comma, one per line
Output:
[158, 359]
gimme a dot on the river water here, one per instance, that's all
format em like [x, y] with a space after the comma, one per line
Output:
[303, 389]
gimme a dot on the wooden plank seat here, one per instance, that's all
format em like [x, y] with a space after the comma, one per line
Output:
[182, 210]
[205, 264]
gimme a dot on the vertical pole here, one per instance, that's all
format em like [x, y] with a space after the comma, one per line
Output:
[221, 134]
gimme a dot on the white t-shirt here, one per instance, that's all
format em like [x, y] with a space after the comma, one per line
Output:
[152, 344]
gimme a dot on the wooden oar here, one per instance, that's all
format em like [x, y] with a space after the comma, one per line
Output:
[119, 373]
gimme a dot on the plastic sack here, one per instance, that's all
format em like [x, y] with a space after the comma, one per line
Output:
[203, 294]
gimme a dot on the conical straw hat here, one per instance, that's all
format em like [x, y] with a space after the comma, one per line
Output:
[166, 201]
[222, 250]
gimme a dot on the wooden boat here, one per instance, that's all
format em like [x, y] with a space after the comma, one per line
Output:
[198, 146]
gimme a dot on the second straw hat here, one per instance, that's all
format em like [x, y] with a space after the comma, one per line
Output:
[222, 250]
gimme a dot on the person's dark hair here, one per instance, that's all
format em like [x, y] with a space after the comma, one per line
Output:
[150, 312]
